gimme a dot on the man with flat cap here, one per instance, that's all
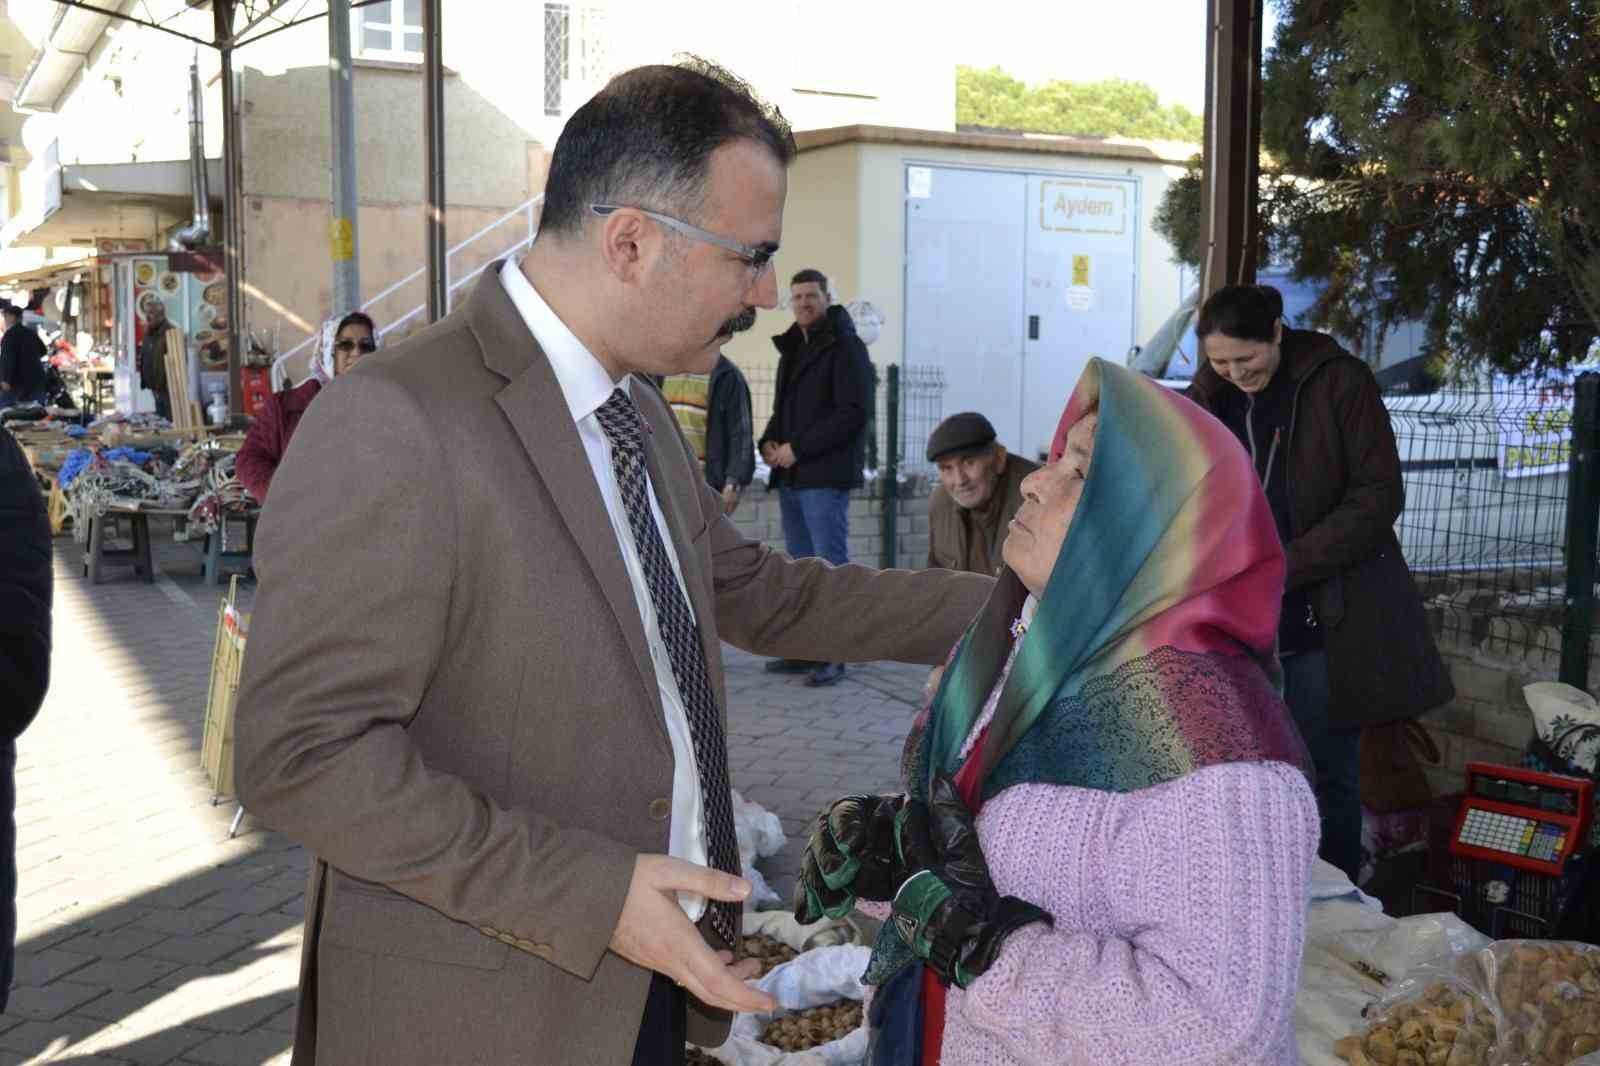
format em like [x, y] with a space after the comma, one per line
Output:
[979, 492]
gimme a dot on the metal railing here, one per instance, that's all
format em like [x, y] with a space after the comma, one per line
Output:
[1489, 476]
[526, 212]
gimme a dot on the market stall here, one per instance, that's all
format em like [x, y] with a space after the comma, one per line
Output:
[108, 480]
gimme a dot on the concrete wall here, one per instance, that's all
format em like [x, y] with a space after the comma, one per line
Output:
[845, 215]
[290, 286]
[760, 518]
[288, 139]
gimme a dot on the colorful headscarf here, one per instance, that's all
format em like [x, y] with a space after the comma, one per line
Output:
[1146, 657]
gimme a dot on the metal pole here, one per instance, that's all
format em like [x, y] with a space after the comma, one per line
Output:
[433, 149]
[891, 471]
[232, 204]
[1583, 519]
[343, 243]
[1229, 222]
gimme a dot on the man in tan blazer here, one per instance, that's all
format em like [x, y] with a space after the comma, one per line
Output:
[489, 628]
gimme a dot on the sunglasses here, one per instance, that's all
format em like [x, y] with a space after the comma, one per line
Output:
[366, 344]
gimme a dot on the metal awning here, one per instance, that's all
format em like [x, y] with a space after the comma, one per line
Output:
[110, 200]
[73, 34]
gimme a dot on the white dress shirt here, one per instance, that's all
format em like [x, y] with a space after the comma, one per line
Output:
[586, 386]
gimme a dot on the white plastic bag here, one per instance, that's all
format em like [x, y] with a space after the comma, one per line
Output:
[760, 832]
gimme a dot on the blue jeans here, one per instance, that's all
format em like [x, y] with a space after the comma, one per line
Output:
[816, 522]
[1336, 754]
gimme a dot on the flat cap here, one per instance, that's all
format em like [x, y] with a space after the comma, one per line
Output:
[965, 432]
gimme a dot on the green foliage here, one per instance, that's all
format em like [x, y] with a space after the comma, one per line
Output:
[1435, 160]
[1111, 108]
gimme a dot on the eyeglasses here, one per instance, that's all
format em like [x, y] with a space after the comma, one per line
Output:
[757, 259]
[366, 344]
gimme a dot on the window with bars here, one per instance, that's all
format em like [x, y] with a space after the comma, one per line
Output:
[576, 55]
[391, 29]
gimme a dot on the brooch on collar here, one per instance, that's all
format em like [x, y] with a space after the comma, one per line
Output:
[1018, 628]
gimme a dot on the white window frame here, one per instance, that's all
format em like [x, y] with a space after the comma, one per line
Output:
[587, 55]
[397, 28]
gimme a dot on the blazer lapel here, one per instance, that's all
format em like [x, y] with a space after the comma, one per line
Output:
[534, 405]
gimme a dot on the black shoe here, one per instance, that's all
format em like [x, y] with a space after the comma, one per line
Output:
[825, 675]
[791, 666]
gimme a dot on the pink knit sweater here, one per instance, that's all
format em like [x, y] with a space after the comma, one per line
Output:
[1179, 921]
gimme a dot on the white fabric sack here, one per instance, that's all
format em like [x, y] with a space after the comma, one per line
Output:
[819, 976]
[782, 927]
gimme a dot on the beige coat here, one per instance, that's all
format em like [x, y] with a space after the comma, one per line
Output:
[448, 697]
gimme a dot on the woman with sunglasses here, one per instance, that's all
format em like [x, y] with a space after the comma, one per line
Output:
[268, 439]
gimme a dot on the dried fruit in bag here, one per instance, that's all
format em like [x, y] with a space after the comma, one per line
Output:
[1442, 1023]
[1549, 998]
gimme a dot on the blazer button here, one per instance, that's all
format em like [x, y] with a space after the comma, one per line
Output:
[660, 809]
[524, 944]
[541, 950]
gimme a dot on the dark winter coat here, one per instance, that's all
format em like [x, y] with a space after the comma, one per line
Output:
[820, 409]
[1345, 493]
[21, 364]
[730, 444]
[25, 587]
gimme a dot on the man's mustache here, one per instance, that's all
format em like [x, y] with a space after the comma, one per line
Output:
[738, 323]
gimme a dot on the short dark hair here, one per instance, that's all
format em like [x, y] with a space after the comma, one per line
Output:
[812, 276]
[1243, 312]
[356, 318]
[646, 139]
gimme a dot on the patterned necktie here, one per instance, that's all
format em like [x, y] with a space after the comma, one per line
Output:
[619, 418]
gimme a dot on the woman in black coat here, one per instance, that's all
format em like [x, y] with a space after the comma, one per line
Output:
[1353, 641]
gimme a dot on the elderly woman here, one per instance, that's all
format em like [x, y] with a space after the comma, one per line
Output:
[269, 436]
[1104, 850]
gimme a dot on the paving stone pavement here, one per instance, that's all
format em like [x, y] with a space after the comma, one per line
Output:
[146, 936]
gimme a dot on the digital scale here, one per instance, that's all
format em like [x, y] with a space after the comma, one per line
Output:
[1523, 818]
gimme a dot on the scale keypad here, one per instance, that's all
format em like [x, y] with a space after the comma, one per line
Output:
[1513, 835]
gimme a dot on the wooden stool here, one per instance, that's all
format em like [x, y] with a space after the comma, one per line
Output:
[98, 552]
[220, 563]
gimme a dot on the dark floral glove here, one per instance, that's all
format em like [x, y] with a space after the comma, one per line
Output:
[851, 855]
[948, 909]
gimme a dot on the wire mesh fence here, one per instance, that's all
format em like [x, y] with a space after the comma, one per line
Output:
[921, 408]
[1485, 518]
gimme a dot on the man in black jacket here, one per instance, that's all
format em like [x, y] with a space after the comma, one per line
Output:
[713, 410]
[24, 657]
[22, 378]
[816, 440]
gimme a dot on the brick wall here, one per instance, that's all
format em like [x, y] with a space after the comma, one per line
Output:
[1490, 661]
[759, 518]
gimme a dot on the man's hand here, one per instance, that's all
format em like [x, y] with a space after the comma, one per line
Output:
[769, 451]
[783, 455]
[730, 498]
[653, 932]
